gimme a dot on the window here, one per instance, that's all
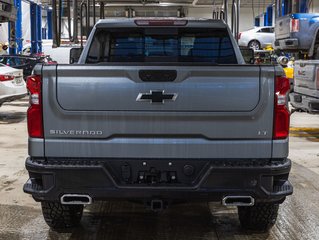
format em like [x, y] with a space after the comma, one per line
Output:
[180, 45]
[266, 30]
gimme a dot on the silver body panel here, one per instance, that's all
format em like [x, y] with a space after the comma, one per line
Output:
[220, 111]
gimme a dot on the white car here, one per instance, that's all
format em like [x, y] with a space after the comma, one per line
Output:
[257, 38]
[12, 84]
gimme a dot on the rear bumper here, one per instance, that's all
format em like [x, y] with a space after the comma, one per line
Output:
[211, 180]
[9, 98]
[289, 43]
[307, 103]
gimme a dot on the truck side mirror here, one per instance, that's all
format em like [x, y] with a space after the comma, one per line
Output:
[75, 54]
[248, 55]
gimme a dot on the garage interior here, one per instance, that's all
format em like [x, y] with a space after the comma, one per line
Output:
[47, 27]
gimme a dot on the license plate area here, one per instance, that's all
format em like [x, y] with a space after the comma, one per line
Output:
[18, 80]
[158, 172]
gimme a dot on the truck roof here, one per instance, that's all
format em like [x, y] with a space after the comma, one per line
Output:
[133, 22]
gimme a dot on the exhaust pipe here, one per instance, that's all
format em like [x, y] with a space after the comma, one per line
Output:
[76, 199]
[238, 201]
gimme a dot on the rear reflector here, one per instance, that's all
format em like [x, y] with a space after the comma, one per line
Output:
[4, 78]
[281, 112]
[294, 25]
[34, 113]
[161, 22]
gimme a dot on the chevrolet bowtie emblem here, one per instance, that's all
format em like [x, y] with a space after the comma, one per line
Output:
[156, 96]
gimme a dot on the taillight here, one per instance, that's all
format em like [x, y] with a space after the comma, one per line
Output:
[294, 25]
[34, 113]
[4, 78]
[281, 112]
[239, 35]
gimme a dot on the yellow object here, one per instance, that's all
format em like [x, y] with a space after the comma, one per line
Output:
[289, 72]
[269, 48]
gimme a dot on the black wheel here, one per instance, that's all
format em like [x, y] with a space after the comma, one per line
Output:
[254, 44]
[260, 217]
[59, 216]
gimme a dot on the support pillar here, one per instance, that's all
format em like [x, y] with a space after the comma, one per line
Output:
[33, 24]
[39, 28]
[12, 38]
[269, 15]
[226, 10]
[238, 19]
[49, 19]
[15, 31]
[303, 6]
[265, 19]
[75, 21]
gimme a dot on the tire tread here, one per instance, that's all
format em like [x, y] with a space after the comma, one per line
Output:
[59, 216]
[260, 217]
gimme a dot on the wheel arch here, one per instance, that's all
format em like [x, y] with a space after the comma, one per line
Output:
[315, 39]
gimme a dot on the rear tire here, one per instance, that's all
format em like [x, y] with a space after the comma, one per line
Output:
[254, 44]
[59, 216]
[260, 217]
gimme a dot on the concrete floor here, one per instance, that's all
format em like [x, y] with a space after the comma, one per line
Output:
[21, 218]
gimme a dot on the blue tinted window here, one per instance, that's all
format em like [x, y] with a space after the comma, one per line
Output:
[185, 46]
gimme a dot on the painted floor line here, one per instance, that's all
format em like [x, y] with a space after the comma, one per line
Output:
[304, 129]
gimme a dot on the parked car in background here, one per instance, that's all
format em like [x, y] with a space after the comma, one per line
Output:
[26, 63]
[257, 38]
[12, 85]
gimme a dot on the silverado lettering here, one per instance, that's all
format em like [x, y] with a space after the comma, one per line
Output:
[75, 132]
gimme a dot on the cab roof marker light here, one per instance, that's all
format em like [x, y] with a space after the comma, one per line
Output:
[161, 22]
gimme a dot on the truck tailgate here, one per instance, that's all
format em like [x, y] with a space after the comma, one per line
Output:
[306, 78]
[218, 112]
[196, 89]
[282, 29]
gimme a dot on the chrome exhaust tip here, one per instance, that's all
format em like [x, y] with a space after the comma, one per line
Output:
[76, 199]
[238, 201]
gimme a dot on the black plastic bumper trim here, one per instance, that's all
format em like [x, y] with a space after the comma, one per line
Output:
[92, 177]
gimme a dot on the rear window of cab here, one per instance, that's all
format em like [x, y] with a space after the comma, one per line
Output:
[162, 45]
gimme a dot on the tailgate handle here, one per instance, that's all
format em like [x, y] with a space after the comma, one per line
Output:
[157, 75]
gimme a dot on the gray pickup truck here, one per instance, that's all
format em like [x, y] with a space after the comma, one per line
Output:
[159, 111]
